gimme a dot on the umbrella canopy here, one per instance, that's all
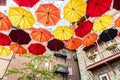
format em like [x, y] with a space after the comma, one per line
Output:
[73, 43]
[116, 4]
[97, 7]
[41, 35]
[89, 39]
[83, 28]
[36, 49]
[26, 3]
[21, 18]
[108, 34]
[5, 23]
[18, 49]
[102, 23]
[2, 2]
[20, 36]
[74, 10]
[48, 14]
[4, 39]
[4, 51]
[63, 32]
[55, 45]
[117, 22]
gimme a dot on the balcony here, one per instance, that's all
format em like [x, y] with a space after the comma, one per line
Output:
[61, 54]
[61, 69]
[101, 58]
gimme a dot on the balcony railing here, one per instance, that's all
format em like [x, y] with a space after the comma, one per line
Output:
[102, 56]
[61, 54]
[61, 69]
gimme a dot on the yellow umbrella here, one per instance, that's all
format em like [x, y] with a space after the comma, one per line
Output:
[102, 23]
[4, 51]
[63, 32]
[21, 18]
[74, 10]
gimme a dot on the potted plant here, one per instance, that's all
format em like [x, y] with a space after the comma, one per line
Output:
[92, 56]
[111, 47]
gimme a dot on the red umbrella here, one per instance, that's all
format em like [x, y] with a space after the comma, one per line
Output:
[2, 2]
[97, 7]
[36, 49]
[26, 3]
[116, 4]
[55, 45]
[20, 36]
[4, 40]
[83, 28]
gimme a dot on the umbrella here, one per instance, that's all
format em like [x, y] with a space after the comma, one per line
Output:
[116, 4]
[20, 36]
[4, 51]
[108, 34]
[63, 32]
[36, 49]
[74, 10]
[55, 45]
[97, 7]
[48, 14]
[18, 49]
[2, 2]
[21, 18]
[89, 39]
[5, 23]
[83, 28]
[4, 39]
[102, 23]
[41, 35]
[73, 43]
[117, 22]
[26, 3]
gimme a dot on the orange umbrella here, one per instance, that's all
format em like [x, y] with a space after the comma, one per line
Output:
[18, 49]
[5, 23]
[41, 35]
[73, 43]
[48, 14]
[89, 39]
[117, 22]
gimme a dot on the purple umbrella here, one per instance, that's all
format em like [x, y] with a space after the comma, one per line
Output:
[20, 36]
[116, 4]
[55, 45]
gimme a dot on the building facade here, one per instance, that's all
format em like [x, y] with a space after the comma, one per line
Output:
[62, 57]
[100, 62]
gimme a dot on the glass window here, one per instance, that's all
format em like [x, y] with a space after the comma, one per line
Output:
[70, 70]
[104, 77]
[119, 68]
[47, 65]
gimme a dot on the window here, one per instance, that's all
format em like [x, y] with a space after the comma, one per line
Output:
[110, 42]
[70, 70]
[47, 65]
[104, 77]
[119, 69]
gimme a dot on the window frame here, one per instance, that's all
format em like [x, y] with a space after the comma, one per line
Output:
[104, 74]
